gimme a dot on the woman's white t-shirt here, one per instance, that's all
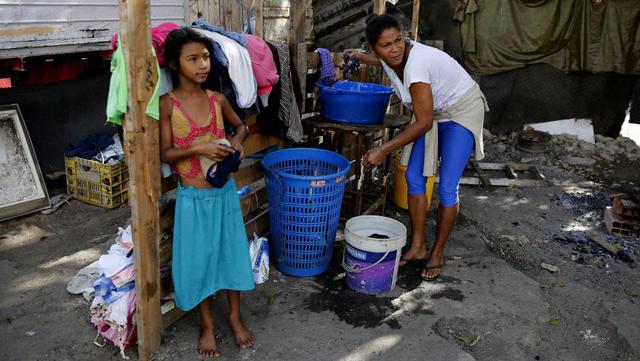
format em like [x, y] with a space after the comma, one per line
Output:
[448, 79]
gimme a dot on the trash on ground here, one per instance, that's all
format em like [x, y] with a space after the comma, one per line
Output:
[469, 340]
[549, 267]
[581, 128]
[554, 321]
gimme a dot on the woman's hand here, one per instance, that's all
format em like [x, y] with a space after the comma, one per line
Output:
[237, 145]
[373, 158]
[353, 54]
[213, 151]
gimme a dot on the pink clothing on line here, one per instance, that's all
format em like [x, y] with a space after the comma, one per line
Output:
[158, 36]
[262, 63]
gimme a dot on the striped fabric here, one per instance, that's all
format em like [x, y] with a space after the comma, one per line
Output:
[289, 113]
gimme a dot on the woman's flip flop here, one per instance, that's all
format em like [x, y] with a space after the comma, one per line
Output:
[427, 268]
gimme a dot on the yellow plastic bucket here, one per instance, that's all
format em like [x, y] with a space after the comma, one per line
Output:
[400, 185]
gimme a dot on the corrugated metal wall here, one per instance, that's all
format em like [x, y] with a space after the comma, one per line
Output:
[47, 27]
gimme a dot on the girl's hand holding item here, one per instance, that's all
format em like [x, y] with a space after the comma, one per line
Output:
[213, 151]
[237, 145]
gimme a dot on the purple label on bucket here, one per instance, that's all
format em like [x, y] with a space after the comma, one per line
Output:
[375, 280]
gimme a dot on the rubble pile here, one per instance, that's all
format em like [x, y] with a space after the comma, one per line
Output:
[608, 160]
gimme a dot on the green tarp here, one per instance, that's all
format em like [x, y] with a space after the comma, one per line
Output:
[572, 35]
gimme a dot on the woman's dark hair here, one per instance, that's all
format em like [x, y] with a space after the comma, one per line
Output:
[179, 37]
[377, 24]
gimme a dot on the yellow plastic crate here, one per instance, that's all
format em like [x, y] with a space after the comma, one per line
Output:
[96, 183]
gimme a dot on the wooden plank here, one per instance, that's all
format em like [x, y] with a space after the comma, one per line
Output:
[231, 15]
[258, 142]
[203, 10]
[379, 6]
[537, 172]
[603, 243]
[167, 184]
[250, 171]
[500, 166]
[297, 18]
[415, 20]
[192, 12]
[503, 182]
[142, 144]
[258, 224]
[259, 18]
[483, 177]
[377, 204]
[214, 11]
[171, 317]
[166, 247]
[510, 172]
[166, 216]
[256, 198]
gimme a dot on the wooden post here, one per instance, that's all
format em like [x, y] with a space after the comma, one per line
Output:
[379, 6]
[143, 158]
[259, 19]
[297, 16]
[415, 20]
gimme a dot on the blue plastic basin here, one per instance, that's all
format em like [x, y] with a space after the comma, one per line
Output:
[354, 102]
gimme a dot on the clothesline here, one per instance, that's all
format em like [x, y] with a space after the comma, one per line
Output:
[256, 76]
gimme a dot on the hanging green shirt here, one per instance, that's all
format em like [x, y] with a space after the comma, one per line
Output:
[119, 92]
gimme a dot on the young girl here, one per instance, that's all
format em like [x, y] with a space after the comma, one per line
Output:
[210, 248]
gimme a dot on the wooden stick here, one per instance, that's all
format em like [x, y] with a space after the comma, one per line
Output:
[415, 20]
[259, 19]
[379, 6]
[143, 156]
[483, 177]
[603, 243]
[297, 33]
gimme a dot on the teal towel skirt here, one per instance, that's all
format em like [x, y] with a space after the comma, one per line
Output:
[210, 245]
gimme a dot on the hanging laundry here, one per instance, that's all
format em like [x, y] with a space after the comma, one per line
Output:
[327, 67]
[289, 113]
[239, 67]
[158, 36]
[264, 68]
[119, 92]
[218, 55]
[268, 119]
[203, 24]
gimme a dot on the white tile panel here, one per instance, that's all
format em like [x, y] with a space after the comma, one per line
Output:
[44, 27]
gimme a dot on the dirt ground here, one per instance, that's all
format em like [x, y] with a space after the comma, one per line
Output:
[495, 302]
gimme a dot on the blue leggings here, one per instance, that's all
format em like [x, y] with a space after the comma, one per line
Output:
[455, 144]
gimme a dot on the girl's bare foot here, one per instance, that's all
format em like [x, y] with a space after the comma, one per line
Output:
[244, 337]
[207, 346]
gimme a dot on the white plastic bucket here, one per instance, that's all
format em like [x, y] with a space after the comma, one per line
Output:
[372, 263]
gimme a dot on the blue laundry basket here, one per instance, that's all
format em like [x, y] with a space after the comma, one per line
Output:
[305, 188]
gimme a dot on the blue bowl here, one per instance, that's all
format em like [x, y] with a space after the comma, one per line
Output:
[354, 102]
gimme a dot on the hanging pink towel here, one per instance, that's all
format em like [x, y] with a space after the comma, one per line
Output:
[264, 68]
[158, 36]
